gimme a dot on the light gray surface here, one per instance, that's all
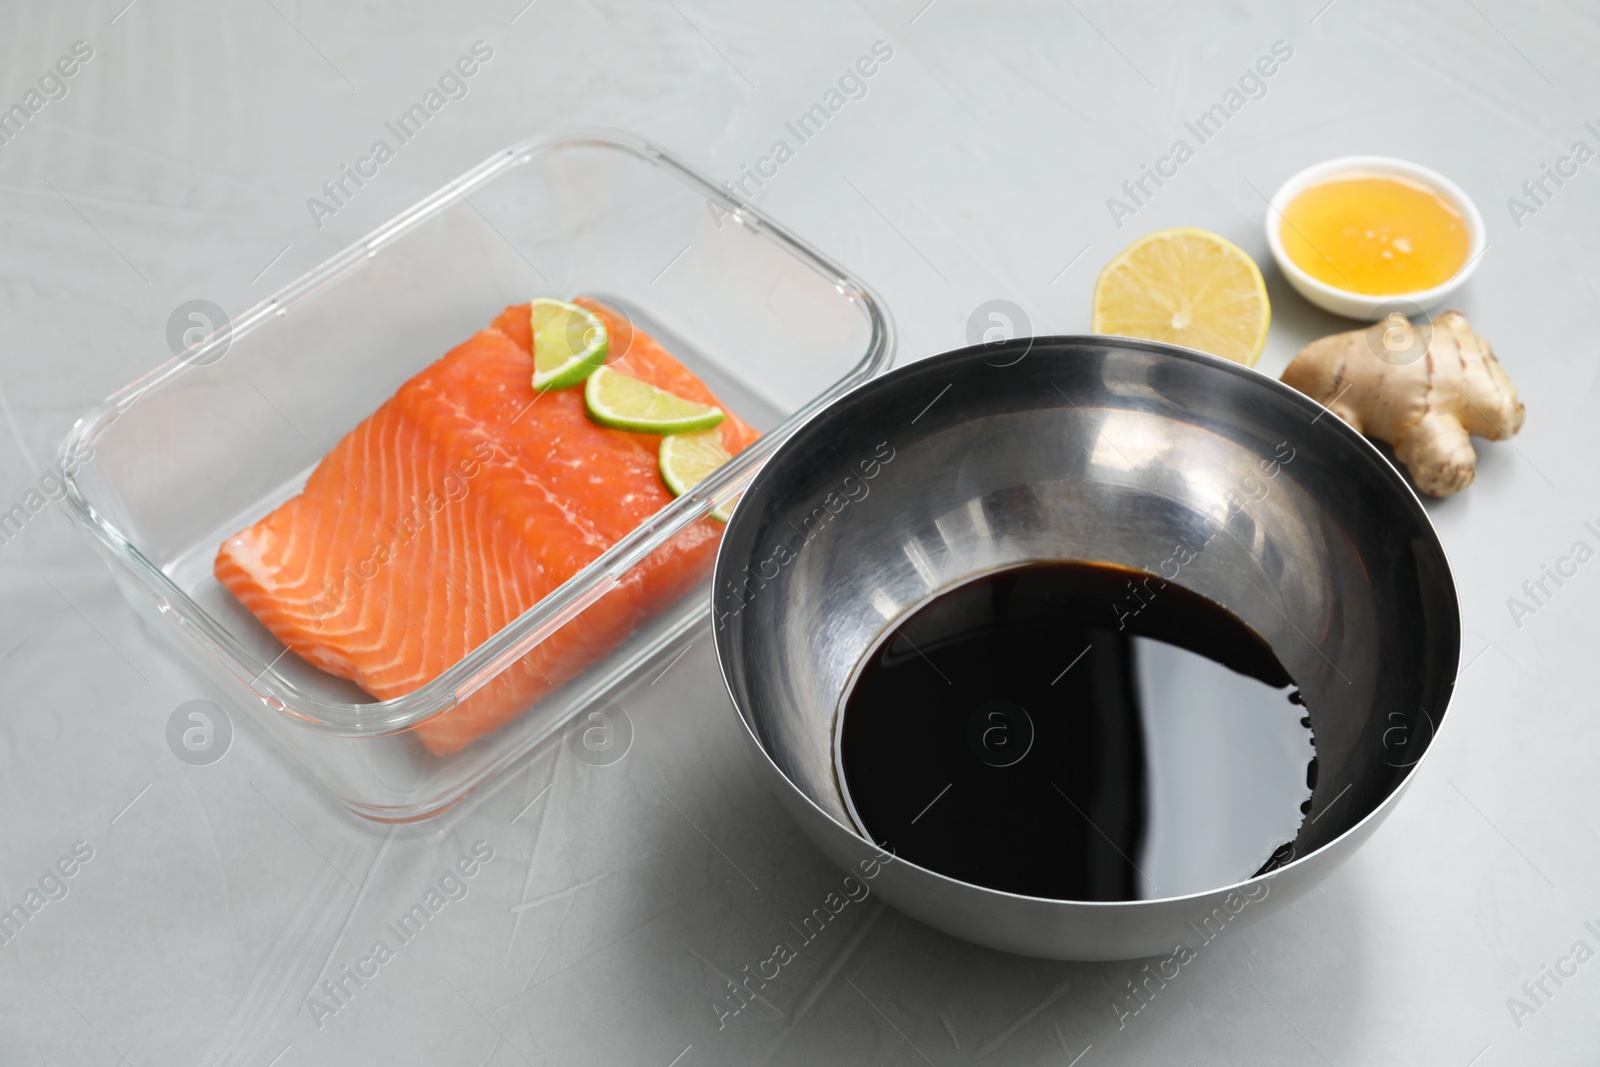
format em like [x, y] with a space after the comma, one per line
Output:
[977, 166]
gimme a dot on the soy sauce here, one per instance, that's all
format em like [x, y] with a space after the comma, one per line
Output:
[1078, 731]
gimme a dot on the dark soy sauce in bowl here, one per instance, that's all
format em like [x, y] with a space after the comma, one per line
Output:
[1009, 734]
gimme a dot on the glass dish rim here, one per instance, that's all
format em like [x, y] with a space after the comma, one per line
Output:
[561, 604]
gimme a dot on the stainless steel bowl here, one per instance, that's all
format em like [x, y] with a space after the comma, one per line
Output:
[1102, 449]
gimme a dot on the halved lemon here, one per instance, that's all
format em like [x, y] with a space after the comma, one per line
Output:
[687, 459]
[569, 342]
[1188, 287]
[625, 403]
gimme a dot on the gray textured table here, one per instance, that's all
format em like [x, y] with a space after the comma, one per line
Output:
[215, 902]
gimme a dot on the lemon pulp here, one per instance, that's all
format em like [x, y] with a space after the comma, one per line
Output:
[1187, 287]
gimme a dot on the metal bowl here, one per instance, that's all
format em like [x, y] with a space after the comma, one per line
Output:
[1102, 449]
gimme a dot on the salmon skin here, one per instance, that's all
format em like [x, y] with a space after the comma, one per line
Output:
[453, 509]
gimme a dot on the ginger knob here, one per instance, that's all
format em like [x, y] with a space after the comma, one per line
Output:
[1423, 389]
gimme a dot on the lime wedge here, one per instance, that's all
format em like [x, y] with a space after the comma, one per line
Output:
[688, 458]
[623, 403]
[569, 342]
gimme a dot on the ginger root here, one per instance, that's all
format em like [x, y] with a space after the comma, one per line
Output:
[1421, 389]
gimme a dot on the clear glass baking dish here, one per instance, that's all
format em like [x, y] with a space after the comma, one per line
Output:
[209, 443]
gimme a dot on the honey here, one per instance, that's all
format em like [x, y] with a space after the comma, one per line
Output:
[1376, 234]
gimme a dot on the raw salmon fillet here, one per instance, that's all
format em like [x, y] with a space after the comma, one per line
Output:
[453, 509]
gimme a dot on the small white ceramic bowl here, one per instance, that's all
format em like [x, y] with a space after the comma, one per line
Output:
[1369, 306]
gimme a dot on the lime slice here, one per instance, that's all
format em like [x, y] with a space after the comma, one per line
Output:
[569, 342]
[623, 403]
[688, 458]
